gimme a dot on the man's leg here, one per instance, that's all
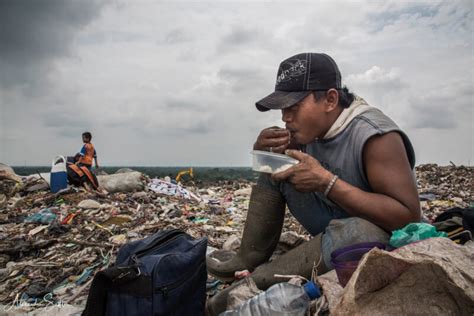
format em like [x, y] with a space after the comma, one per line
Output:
[300, 260]
[264, 223]
[349, 231]
[260, 236]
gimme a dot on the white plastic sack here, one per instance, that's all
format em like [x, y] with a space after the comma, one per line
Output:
[7, 173]
[123, 182]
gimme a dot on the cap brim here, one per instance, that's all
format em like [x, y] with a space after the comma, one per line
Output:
[280, 100]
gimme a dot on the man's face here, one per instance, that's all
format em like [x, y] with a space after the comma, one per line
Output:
[85, 139]
[306, 120]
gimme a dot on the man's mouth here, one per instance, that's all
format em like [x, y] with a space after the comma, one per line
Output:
[292, 131]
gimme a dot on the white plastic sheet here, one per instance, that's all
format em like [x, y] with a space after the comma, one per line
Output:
[168, 188]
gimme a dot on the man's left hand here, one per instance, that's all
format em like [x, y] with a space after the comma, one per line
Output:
[306, 176]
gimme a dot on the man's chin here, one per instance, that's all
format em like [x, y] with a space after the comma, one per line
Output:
[302, 141]
[299, 139]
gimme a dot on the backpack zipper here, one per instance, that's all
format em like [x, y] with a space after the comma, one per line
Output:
[157, 244]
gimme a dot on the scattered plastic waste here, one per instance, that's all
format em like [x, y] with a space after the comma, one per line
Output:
[168, 188]
[199, 220]
[45, 216]
[50, 257]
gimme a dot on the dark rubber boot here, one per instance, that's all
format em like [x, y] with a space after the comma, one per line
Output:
[218, 303]
[298, 261]
[260, 236]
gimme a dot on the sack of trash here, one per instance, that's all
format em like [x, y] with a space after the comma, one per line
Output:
[434, 276]
[7, 173]
[123, 182]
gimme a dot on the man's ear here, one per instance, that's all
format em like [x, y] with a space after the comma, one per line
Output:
[332, 99]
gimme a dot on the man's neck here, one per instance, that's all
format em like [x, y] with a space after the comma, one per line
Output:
[333, 115]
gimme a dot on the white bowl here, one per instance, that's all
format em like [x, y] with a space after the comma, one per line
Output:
[264, 161]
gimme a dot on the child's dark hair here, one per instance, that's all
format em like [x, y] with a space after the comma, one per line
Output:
[87, 135]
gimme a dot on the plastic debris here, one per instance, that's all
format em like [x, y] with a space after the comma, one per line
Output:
[45, 216]
[414, 232]
[168, 188]
[58, 258]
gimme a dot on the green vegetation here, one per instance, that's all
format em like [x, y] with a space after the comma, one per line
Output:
[204, 174]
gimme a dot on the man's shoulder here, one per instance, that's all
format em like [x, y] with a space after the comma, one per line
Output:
[379, 124]
[376, 119]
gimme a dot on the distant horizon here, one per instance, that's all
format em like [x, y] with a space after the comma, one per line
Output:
[141, 166]
[209, 166]
[200, 173]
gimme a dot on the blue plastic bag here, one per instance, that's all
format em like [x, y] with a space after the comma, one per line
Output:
[45, 216]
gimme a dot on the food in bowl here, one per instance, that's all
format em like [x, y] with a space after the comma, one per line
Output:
[268, 162]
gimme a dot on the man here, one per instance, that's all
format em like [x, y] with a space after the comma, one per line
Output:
[354, 181]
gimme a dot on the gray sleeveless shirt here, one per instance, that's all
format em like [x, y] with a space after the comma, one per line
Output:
[343, 154]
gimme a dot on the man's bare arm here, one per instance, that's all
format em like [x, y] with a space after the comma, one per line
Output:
[394, 202]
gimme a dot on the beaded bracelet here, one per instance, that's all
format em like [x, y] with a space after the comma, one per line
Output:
[330, 185]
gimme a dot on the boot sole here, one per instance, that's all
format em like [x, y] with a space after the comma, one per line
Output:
[226, 278]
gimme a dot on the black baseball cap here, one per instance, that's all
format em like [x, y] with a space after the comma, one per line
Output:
[298, 76]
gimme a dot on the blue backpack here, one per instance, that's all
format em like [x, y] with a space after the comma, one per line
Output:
[163, 274]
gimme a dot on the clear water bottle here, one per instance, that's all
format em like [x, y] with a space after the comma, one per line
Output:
[279, 299]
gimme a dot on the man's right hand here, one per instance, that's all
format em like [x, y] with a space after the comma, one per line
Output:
[274, 139]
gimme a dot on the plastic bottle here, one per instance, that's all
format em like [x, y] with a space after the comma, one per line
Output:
[279, 299]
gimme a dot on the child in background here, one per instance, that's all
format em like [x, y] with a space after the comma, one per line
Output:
[87, 153]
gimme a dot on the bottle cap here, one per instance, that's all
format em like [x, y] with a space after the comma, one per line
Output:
[312, 290]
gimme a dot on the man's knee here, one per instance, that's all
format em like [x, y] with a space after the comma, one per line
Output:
[348, 231]
[265, 181]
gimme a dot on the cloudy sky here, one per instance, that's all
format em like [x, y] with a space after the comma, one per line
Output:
[166, 83]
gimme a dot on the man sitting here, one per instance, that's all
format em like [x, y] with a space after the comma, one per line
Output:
[354, 181]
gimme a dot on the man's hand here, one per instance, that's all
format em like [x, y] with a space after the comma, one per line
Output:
[274, 139]
[306, 176]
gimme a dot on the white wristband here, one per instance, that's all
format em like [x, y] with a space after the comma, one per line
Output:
[330, 185]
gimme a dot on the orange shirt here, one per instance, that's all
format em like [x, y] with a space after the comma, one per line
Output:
[87, 154]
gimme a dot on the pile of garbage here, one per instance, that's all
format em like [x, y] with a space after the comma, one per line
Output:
[52, 244]
[444, 187]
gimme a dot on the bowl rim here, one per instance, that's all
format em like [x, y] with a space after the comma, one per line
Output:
[359, 246]
[275, 155]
